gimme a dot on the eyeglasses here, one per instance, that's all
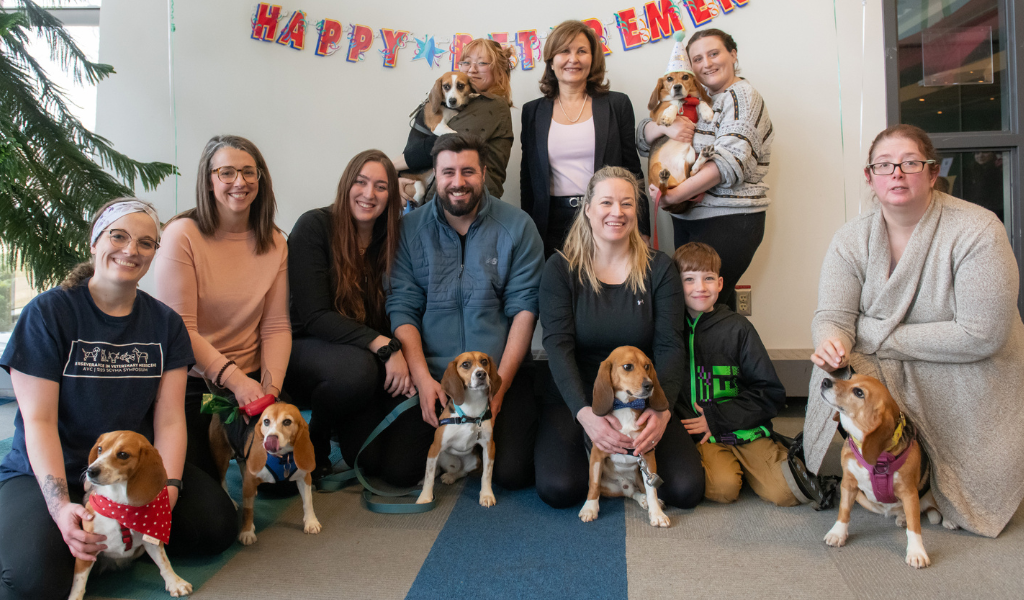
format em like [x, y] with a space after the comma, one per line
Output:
[119, 238]
[907, 167]
[465, 65]
[228, 174]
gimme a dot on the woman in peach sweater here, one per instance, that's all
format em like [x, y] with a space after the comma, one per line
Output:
[223, 268]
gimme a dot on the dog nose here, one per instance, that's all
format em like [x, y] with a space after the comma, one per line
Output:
[677, 87]
[480, 374]
[648, 385]
[826, 383]
[452, 102]
[92, 472]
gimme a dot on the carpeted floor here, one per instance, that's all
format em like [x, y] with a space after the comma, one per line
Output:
[520, 548]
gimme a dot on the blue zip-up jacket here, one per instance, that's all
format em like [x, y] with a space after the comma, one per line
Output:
[462, 306]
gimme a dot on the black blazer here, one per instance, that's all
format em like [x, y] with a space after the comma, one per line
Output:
[615, 144]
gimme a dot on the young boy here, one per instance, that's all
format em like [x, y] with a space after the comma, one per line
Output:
[734, 393]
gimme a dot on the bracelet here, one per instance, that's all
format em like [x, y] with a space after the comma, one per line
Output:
[175, 482]
[216, 381]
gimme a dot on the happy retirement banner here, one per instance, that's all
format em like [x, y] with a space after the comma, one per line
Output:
[656, 20]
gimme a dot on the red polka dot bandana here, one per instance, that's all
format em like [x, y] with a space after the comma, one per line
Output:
[153, 519]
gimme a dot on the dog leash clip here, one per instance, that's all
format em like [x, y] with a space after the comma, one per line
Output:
[652, 479]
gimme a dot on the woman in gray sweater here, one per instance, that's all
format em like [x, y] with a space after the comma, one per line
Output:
[922, 294]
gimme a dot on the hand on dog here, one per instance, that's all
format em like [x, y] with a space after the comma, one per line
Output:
[698, 425]
[604, 431]
[431, 395]
[654, 423]
[83, 545]
[830, 355]
[681, 130]
[406, 189]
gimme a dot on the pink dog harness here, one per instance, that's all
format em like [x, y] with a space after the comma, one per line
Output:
[883, 471]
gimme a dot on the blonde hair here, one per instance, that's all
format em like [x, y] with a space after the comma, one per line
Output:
[579, 247]
[501, 67]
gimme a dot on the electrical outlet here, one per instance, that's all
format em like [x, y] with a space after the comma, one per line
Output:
[743, 301]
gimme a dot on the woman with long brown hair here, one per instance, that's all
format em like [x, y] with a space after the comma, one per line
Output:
[344, 363]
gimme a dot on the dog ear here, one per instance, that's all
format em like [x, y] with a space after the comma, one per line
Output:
[149, 477]
[703, 93]
[656, 95]
[493, 377]
[604, 393]
[93, 454]
[257, 453]
[302, 446]
[452, 383]
[658, 400]
[876, 440]
[434, 101]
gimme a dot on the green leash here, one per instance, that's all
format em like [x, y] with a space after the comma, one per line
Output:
[333, 483]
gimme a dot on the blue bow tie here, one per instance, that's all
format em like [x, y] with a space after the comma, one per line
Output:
[636, 404]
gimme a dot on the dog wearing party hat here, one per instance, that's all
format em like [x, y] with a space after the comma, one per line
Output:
[678, 93]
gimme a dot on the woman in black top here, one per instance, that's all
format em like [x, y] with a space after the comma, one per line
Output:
[341, 364]
[607, 289]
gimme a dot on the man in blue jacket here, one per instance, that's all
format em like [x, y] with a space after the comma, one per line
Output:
[466, 278]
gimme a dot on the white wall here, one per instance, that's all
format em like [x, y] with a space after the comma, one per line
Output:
[309, 114]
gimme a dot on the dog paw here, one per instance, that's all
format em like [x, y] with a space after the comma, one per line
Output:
[178, 588]
[949, 524]
[667, 116]
[901, 520]
[449, 478]
[706, 112]
[641, 499]
[487, 499]
[248, 538]
[311, 526]
[918, 559]
[589, 511]
[659, 519]
[836, 536]
[425, 498]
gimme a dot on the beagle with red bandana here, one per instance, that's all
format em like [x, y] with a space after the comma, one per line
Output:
[466, 422]
[626, 385]
[884, 468]
[127, 494]
[277, 449]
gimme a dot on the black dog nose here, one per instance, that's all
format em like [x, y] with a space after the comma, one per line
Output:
[452, 102]
[480, 374]
[92, 472]
[677, 87]
[648, 385]
[826, 383]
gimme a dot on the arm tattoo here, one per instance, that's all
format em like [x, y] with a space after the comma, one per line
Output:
[55, 492]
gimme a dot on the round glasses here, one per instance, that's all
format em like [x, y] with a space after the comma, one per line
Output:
[465, 65]
[119, 238]
[229, 174]
[907, 167]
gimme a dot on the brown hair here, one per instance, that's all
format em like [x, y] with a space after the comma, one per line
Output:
[908, 132]
[697, 256]
[727, 41]
[352, 270]
[501, 67]
[264, 206]
[458, 143]
[579, 246]
[85, 270]
[559, 40]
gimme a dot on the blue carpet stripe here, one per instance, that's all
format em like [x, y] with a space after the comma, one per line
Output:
[516, 549]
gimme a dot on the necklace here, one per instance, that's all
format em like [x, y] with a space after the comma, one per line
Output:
[582, 108]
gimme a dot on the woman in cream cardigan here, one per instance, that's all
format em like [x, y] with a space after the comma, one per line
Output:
[922, 294]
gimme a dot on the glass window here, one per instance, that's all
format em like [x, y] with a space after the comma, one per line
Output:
[980, 176]
[952, 65]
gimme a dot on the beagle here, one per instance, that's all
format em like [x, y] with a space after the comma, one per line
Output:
[884, 467]
[466, 421]
[126, 477]
[626, 384]
[277, 449]
[671, 162]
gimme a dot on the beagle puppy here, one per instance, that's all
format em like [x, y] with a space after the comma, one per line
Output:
[466, 422]
[277, 449]
[626, 384]
[884, 467]
[126, 477]
[671, 162]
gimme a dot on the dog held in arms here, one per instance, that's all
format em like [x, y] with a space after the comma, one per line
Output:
[466, 422]
[884, 467]
[125, 477]
[626, 384]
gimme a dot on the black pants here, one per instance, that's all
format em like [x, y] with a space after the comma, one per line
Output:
[559, 221]
[344, 387]
[515, 430]
[563, 461]
[36, 564]
[734, 237]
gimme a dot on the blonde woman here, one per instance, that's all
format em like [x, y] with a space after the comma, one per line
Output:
[603, 290]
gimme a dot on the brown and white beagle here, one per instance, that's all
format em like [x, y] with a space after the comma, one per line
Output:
[450, 94]
[884, 467]
[466, 422]
[671, 161]
[127, 494]
[277, 449]
[626, 384]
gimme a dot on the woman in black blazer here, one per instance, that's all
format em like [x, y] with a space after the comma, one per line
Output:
[558, 155]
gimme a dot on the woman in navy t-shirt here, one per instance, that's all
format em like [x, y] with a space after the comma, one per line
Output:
[91, 356]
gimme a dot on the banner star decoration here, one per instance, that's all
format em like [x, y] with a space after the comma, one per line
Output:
[427, 49]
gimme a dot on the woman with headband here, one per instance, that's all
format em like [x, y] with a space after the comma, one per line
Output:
[66, 359]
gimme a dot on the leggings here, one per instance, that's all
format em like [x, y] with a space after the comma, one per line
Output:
[563, 460]
[36, 564]
[734, 237]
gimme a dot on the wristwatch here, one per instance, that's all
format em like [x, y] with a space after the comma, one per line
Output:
[176, 483]
[385, 352]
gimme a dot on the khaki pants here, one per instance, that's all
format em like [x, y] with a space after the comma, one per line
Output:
[760, 461]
